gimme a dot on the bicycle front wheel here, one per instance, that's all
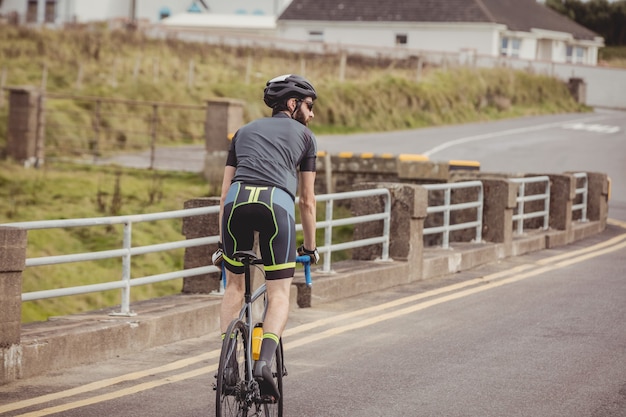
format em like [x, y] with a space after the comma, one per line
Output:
[232, 387]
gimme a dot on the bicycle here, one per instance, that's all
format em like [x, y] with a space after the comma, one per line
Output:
[237, 392]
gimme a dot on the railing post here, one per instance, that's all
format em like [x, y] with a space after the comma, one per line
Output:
[95, 142]
[24, 127]
[328, 235]
[126, 276]
[500, 199]
[598, 199]
[446, 218]
[223, 118]
[562, 195]
[12, 263]
[408, 211]
[521, 193]
[201, 226]
[153, 133]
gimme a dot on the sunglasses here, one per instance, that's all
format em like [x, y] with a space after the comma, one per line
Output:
[309, 104]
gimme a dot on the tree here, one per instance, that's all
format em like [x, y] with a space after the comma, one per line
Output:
[606, 19]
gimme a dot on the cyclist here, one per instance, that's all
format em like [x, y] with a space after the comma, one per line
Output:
[268, 160]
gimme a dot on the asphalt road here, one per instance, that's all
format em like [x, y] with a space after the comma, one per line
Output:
[538, 335]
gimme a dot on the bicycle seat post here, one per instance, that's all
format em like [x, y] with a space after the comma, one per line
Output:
[247, 258]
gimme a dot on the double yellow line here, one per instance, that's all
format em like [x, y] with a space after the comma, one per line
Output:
[389, 310]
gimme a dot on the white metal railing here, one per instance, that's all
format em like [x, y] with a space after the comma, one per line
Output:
[448, 207]
[127, 250]
[583, 192]
[523, 198]
[329, 222]
[126, 253]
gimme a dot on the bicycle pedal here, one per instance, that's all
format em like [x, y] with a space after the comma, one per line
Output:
[268, 399]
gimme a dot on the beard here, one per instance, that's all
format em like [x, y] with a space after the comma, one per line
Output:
[299, 116]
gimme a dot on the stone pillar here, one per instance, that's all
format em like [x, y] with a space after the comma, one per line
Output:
[562, 194]
[578, 89]
[201, 226]
[598, 198]
[408, 211]
[223, 118]
[499, 202]
[25, 125]
[12, 264]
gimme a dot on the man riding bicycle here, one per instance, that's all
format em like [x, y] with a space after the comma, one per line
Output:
[268, 160]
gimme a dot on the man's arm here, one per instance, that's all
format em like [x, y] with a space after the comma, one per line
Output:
[229, 173]
[307, 208]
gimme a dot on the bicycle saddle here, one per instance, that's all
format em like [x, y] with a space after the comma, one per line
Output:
[240, 255]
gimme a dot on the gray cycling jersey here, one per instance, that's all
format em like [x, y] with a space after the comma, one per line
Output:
[270, 151]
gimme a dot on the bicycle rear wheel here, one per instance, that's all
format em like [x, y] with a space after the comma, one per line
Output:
[278, 371]
[231, 386]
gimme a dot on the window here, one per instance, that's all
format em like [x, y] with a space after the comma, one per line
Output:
[31, 11]
[510, 47]
[164, 13]
[316, 36]
[575, 54]
[401, 39]
[51, 11]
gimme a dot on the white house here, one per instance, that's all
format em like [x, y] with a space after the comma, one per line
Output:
[514, 28]
[58, 12]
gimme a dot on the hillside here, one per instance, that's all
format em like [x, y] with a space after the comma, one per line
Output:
[374, 95]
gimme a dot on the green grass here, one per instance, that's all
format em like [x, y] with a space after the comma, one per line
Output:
[376, 95]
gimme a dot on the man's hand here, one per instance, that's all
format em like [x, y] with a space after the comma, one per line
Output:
[218, 255]
[313, 254]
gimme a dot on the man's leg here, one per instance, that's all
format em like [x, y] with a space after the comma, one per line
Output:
[232, 300]
[278, 305]
[273, 326]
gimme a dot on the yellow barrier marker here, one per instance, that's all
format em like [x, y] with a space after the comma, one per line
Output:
[346, 154]
[367, 155]
[412, 157]
[321, 153]
[459, 164]
[387, 155]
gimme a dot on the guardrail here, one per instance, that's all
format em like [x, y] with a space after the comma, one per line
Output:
[523, 198]
[329, 222]
[127, 250]
[447, 207]
[126, 253]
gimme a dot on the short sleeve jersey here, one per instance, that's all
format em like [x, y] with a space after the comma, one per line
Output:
[271, 151]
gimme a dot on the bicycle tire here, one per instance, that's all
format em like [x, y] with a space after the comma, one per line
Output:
[278, 371]
[231, 393]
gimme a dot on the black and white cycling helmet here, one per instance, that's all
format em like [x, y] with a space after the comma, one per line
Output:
[287, 86]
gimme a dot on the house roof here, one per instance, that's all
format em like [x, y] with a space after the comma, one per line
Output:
[517, 15]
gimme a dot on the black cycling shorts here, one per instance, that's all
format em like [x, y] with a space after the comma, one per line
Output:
[271, 212]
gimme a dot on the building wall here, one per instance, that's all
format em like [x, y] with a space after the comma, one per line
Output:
[437, 37]
[482, 39]
[147, 10]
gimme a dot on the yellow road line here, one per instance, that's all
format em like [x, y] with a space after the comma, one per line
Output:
[183, 363]
[481, 284]
[618, 223]
[122, 393]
